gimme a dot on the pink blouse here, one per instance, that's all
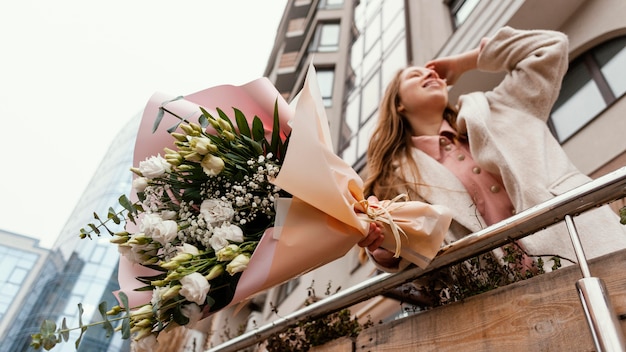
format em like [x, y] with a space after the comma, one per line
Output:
[486, 189]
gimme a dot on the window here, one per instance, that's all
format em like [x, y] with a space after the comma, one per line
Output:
[326, 38]
[286, 289]
[593, 82]
[330, 4]
[460, 10]
[326, 78]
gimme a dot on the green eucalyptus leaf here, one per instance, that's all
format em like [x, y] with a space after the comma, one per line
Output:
[157, 120]
[124, 300]
[65, 332]
[161, 113]
[126, 203]
[203, 121]
[48, 327]
[106, 325]
[113, 216]
[94, 228]
[126, 328]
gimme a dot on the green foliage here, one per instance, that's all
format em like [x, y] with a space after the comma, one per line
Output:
[49, 335]
[476, 275]
[316, 332]
[622, 215]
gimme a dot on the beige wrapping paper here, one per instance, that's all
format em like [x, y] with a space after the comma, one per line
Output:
[320, 224]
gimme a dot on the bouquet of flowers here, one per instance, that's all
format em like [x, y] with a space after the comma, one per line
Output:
[233, 208]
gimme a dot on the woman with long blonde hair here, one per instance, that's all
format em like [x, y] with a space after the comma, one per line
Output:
[490, 156]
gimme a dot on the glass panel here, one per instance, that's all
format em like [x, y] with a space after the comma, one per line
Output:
[97, 255]
[17, 276]
[372, 32]
[349, 152]
[365, 133]
[579, 102]
[325, 79]
[371, 60]
[330, 4]
[329, 37]
[394, 62]
[352, 116]
[392, 12]
[391, 33]
[370, 97]
[463, 12]
[612, 59]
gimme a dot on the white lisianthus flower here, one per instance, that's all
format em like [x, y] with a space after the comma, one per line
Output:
[218, 242]
[212, 165]
[202, 145]
[154, 166]
[195, 288]
[140, 184]
[127, 251]
[227, 253]
[157, 293]
[216, 211]
[230, 232]
[188, 249]
[162, 231]
[193, 312]
[223, 235]
[238, 264]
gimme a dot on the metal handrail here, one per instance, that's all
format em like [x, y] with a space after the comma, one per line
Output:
[593, 194]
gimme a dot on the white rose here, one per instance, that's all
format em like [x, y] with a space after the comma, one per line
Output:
[195, 288]
[162, 231]
[216, 211]
[140, 184]
[212, 165]
[238, 264]
[154, 166]
[193, 312]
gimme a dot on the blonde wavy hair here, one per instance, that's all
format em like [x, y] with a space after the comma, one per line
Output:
[390, 147]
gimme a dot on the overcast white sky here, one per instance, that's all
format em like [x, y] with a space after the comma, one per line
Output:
[73, 72]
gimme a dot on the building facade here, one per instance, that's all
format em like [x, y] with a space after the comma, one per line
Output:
[76, 270]
[356, 46]
[24, 267]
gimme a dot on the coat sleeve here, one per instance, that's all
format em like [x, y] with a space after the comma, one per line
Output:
[535, 62]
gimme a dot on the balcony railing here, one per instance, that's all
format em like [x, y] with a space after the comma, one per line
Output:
[602, 321]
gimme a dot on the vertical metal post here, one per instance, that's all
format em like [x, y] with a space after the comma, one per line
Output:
[601, 318]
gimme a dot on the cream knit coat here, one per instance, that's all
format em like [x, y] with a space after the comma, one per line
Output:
[508, 136]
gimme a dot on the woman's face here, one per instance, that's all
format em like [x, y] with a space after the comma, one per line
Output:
[421, 91]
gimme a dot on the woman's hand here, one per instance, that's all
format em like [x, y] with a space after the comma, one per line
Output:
[372, 243]
[374, 238]
[454, 66]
